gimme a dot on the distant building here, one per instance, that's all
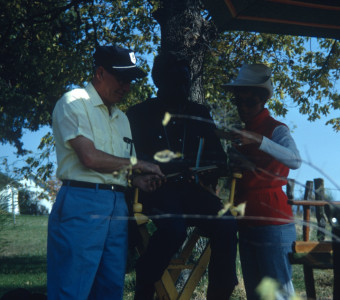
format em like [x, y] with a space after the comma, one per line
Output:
[39, 198]
[9, 199]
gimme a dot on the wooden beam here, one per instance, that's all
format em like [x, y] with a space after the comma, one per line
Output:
[231, 8]
[305, 4]
[289, 22]
[313, 202]
[312, 246]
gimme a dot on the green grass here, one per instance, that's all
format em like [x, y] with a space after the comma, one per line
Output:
[23, 254]
[23, 263]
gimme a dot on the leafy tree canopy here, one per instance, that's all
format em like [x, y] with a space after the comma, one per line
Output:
[47, 46]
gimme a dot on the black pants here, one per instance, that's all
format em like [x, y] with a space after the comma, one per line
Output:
[182, 202]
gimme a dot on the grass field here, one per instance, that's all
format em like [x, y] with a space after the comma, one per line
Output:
[23, 254]
[23, 263]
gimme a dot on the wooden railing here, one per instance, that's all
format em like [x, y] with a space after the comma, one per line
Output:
[317, 254]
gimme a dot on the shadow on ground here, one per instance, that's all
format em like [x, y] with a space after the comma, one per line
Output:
[27, 272]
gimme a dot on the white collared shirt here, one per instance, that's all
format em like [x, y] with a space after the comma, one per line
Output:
[81, 112]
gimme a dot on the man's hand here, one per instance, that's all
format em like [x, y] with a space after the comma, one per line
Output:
[147, 183]
[245, 137]
[146, 167]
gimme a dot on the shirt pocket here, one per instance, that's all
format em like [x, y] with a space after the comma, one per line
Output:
[100, 141]
[120, 147]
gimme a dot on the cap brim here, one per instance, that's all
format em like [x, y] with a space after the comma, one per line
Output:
[231, 86]
[227, 86]
[131, 73]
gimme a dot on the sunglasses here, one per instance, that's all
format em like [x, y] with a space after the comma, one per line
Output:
[249, 101]
[122, 79]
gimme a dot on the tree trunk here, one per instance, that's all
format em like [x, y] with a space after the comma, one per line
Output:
[186, 33]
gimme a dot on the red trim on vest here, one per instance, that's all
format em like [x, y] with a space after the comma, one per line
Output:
[262, 188]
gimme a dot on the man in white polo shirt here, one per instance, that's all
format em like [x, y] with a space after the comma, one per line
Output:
[87, 233]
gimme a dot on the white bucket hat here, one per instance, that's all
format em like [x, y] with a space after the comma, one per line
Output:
[257, 75]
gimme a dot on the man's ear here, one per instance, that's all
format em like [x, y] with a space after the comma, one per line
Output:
[100, 73]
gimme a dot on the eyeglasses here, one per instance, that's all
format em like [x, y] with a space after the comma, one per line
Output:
[122, 80]
[119, 78]
[249, 101]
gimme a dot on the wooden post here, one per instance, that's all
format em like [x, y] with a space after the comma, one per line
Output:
[320, 210]
[307, 270]
[306, 209]
[290, 191]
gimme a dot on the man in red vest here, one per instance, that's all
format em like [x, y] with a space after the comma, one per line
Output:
[267, 230]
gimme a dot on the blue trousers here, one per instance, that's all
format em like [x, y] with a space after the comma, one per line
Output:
[264, 253]
[87, 245]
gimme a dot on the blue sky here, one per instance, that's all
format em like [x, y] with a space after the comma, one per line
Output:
[319, 147]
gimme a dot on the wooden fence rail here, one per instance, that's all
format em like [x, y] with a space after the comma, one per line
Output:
[317, 254]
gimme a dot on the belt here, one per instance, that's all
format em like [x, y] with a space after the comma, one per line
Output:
[91, 185]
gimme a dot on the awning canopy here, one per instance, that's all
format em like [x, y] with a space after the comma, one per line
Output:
[314, 18]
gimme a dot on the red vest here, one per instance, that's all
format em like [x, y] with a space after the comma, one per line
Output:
[262, 189]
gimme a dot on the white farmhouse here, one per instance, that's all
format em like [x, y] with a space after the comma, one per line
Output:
[9, 196]
[9, 199]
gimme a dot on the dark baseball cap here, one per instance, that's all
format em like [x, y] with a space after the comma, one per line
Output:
[118, 61]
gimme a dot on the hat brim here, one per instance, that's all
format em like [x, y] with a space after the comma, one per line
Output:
[231, 86]
[129, 73]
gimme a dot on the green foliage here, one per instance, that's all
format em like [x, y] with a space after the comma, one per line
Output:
[306, 77]
[40, 60]
[4, 180]
[47, 49]
[29, 204]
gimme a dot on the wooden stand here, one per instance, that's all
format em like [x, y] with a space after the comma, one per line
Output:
[166, 287]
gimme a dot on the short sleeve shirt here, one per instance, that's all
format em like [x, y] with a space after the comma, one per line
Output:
[81, 112]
